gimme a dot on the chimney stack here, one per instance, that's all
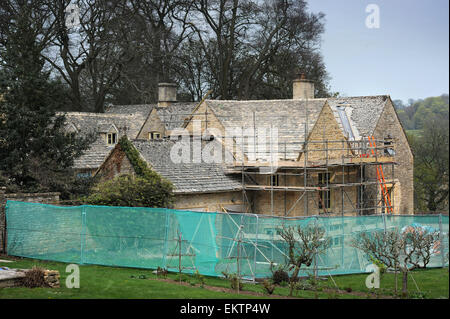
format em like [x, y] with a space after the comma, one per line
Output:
[302, 88]
[167, 94]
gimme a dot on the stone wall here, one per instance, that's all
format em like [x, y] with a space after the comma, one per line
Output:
[116, 164]
[403, 172]
[44, 198]
[152, 124]
[326, 129]
[208, 202]
[342, 200]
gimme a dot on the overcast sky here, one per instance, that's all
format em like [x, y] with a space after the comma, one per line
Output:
[406, 57]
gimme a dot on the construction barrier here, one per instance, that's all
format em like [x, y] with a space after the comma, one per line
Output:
[211, 243]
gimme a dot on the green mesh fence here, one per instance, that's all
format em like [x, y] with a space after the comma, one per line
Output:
[208, 242]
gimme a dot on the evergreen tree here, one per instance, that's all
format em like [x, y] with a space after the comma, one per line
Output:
[35, 151]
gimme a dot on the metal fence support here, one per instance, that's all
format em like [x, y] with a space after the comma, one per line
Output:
[441, 240]
[166, 239]
[256, 245]
[83, 233]
[4, 231]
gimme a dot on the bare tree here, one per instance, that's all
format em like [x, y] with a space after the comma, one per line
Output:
[304, 244]
[251, 47]
[404, 251]
[35, 12]
[90, 56]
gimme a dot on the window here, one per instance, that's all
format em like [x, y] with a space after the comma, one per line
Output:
[324, 195]
[345, 122]
[82, 175]
[274, 180]
[388, 149]
[324, 178]
[111, 138]
[325, 199]
[154, 136]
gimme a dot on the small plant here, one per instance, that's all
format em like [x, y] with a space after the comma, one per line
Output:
[382, 267]
[303, 284]
[200, 278]
[268, 287]
[181, 277]
[235, 281]
[161, 272]
[418, 295]
[284, 284]
[279, 274]
[34, 278]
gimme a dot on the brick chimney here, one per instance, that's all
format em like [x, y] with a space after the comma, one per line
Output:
[302, 88]
[167, 94]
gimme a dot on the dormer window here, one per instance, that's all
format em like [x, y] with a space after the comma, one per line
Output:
[154, 136]
[111, 138]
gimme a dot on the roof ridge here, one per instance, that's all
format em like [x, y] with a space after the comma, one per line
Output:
[98, 114]
[274, 100]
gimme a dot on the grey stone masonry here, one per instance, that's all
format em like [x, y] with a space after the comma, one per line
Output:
[47, 198]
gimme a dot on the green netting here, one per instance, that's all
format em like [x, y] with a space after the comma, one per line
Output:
[207, 242]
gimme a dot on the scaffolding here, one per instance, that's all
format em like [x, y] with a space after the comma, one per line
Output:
[372, 160]
[362, 175]
[311, 180]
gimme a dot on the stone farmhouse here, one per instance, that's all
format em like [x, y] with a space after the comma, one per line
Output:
[341, 156]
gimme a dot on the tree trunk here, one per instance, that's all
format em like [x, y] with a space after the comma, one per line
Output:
[293, 280]
[405, 284]
[396, 282]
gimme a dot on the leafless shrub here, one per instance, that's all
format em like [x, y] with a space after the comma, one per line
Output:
[268, 287]
[304, 244]
[404, 251]
[34, 278]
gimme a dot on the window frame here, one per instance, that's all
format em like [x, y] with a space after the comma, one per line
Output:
[151, 135]
[111, 138]
[324, 195]
[274, 180]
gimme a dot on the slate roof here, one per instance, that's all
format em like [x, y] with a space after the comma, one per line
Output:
[187, 177]
[288, 116]
[173, 116]
[94, 156]
[132, 109]
[363, 112]
[86, 123]
[101, 122]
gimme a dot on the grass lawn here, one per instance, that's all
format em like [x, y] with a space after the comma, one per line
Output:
[111, 282]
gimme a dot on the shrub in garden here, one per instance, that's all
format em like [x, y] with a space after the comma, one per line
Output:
[280, 275]
[268, 287]
[235, 281]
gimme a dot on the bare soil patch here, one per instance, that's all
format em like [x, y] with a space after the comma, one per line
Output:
[253, 293]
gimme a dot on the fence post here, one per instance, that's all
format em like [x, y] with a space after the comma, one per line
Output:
[256, 246]
[384, 222]
[441, 240]
[166, 239]
[83, 233]
[3, 220]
